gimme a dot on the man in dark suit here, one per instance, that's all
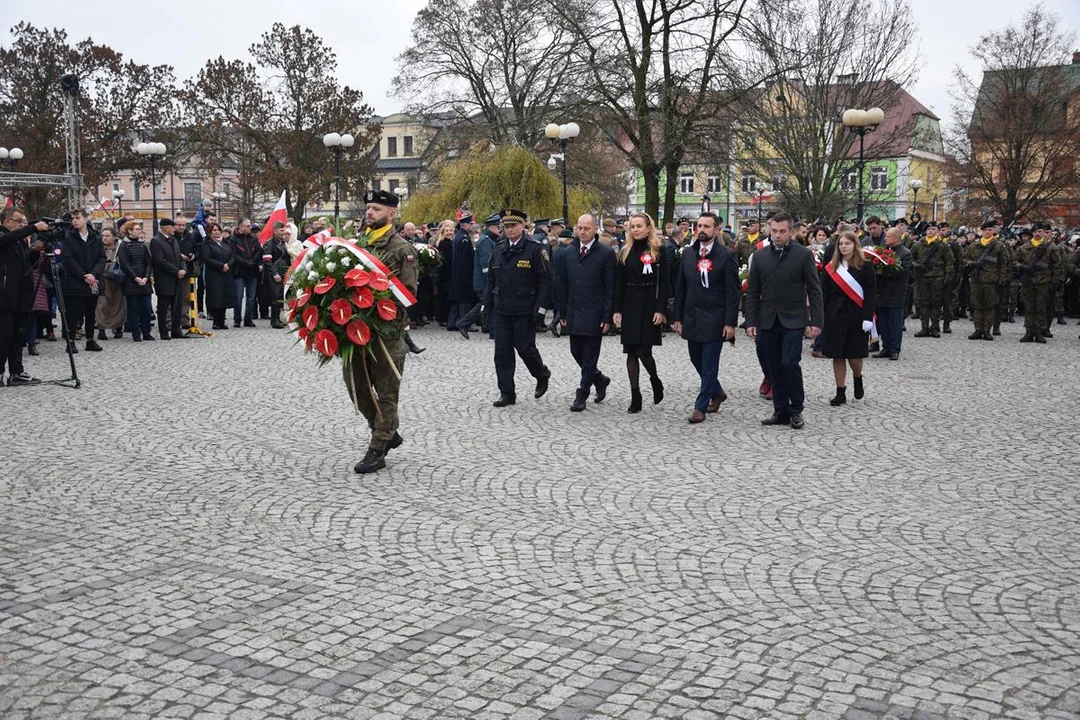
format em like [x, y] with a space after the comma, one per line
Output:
[462, 297]
[782, 277]
[518, 286]
[585, 294]
[707, 309]
[169, 270]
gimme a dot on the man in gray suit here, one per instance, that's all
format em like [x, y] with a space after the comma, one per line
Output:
[782, 277]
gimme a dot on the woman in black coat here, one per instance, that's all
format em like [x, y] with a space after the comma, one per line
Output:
[136, 262]
[220, 288]
[445, 246]
[848, 317]
[641, 296]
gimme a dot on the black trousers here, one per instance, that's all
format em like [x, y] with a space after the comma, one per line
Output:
[586, 352]
[12, 334]
[516, 333]
[168, 313]
[81, 312]
[782, 350]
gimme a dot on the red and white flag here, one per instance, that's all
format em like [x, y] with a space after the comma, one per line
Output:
[280, 214]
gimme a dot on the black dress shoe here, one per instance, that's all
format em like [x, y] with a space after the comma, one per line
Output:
[797, 422]
[542, 385]
[236, 323]
[504, 400]
[250, 323]
[179, 336]
[601, 388]
[883, 354]
[579, 401]
[395, 442]
[894, 356]
[374, 460]
[92, 346]
[775, 419]
[464, 332]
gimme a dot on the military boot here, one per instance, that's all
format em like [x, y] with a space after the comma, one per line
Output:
[946, 328]
[997, 327]
[1046, 332]
[925, 332]
[1029, 336]
[935, 330]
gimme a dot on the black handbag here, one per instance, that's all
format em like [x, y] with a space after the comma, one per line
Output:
[115, 273]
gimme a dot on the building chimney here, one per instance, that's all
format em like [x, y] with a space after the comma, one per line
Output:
[1076, 57]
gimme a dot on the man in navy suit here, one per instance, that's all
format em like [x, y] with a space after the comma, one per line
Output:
[707, 309]
[586, 298]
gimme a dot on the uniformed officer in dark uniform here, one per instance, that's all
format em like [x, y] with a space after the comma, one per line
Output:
[518, 285]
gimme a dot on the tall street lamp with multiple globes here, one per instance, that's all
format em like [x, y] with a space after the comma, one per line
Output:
[915, 186]
[402, 192]
[219, 197]
[12, 156]
[118, 200]
[564, 134]
[151, 151]
[337, 144]
[862, 122]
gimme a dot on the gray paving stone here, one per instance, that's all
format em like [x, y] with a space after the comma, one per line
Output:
[203, 549]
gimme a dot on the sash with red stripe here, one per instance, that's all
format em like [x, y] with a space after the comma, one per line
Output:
[846, 282]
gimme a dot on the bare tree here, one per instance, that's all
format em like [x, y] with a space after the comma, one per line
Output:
[651, 67]
[1015, 138]
[120, 102]
[500, 64]
[818, 58]
[269, 117]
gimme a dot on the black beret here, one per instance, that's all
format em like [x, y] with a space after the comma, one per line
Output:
[988, 225]
[166, 222]
[381, 197]
[567, 233]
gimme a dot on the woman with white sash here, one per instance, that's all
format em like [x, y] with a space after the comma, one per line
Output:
[849, 290]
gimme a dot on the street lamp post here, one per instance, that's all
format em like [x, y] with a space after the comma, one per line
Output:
[151, 151]
[915, 186]
[862, 122]
[564, 134]
[706, 203]
[118, 198]
[218, 197]
[402, 192]
[12, 156]
[760, 201]
[337, 143]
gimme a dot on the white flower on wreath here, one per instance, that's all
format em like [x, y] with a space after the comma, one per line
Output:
[331, 266]
[346, 261]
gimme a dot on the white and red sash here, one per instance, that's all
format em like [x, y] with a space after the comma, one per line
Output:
[846, 282]
[764, 243]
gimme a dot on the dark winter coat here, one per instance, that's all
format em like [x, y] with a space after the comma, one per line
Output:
[220, 288]
[16, 259]
[136, 261]
[247, 255]
[167, 263]
[892, 287]
[80, 258]
[639, 296]
[446, 252]
[704, 312]
[519, 282]
[586, 292]
[273, 291]
[843, 333]
[461, 274]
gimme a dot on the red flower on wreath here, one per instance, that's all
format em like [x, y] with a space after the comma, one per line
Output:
[324, 285]
[379, 282]
[340, 311]
[387, 309]
[363, 297]
[357, 277]
[302, 298]
[292, 316]
[359, 332]
[311, 317]
[326, 342]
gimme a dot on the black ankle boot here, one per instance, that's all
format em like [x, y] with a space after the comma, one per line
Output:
[859, 388]
[657, 390]
[413, 347]
[841, 397]
[635, 401]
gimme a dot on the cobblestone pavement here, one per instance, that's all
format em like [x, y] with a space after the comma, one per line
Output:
[185, 537]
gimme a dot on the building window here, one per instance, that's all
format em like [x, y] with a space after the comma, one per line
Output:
[393, 185]
[138, 191]
[778, 182]
[686, 184]
[376, 185]
[226, 187]
[749, 142]
[714, 184]
[748, 183]
[408, 146]
[192, 194]
[879, 179]
[849, 181]
[115, 185]
[391, 147]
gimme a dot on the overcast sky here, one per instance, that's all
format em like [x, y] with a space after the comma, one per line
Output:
[367, 34]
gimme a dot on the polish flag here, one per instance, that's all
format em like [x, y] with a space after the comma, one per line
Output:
[280, 214]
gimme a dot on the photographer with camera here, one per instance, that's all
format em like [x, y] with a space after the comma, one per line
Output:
[16, 261]
[84, 270]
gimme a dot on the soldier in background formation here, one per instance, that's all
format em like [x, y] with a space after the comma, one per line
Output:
[934, 269]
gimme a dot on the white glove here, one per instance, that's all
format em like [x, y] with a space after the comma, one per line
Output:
[867, 326]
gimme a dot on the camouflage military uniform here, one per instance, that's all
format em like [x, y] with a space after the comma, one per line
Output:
[985, 263]
[1038, 264]
[933, 271]
[1005, 288]
[381, 414]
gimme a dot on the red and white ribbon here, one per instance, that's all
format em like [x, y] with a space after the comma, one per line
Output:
[326, 240]
[764, 243]
[846, 282]
[646, 263]
[704, 266]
